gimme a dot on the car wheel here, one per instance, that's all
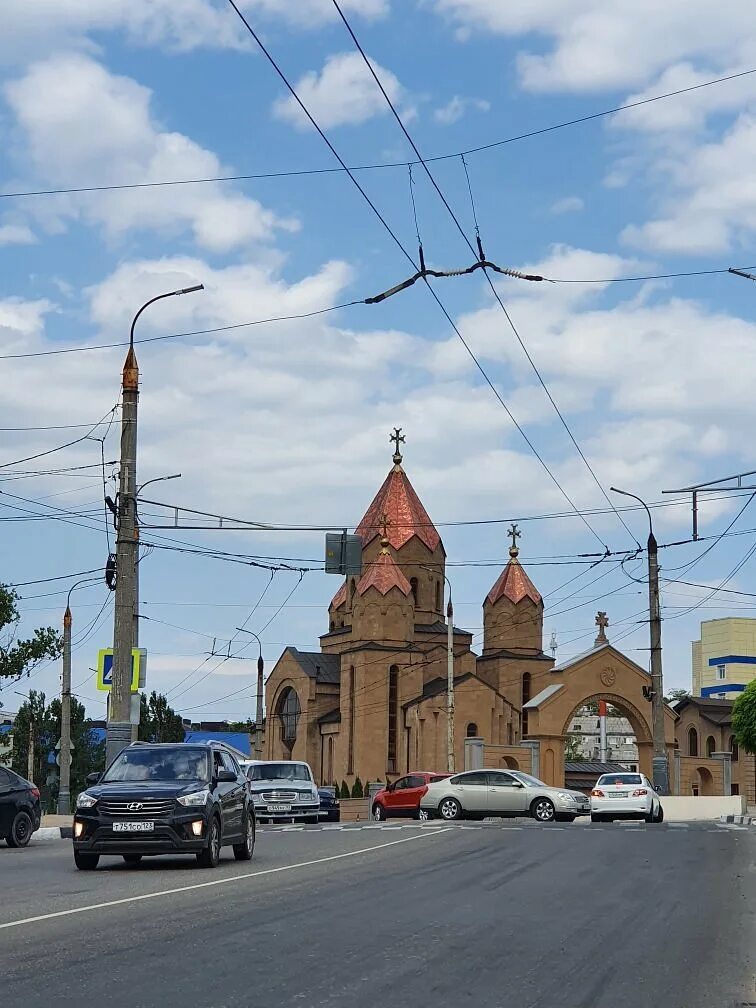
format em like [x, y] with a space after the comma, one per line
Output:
[21, 830]
[209, 856]
[543, 810]
[86, 862]
[660, 814]
[132, 858]
[597, 817]
[379, 813]
[450, 809]
[243, 851]
[650, 816]
[423, 815]
[312, 820]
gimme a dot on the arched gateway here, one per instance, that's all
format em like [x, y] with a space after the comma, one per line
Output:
[601, 673]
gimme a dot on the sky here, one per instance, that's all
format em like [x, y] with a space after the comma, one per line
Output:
[288, 422]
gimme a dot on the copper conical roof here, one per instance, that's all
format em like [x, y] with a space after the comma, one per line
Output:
[383, 575]
[514, 584]
[405, 515]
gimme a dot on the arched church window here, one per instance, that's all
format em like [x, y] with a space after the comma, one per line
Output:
[414, 587]
[288, 714]
[393, 717]
[350, 737]
[692, 741]
[438, 596]
[710, 746]
[525, 698]
[472, 730]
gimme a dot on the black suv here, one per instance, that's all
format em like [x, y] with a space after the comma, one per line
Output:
[169, 798]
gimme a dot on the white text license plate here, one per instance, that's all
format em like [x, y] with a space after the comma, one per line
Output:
[279, 808]
[133, 827]
[618, 794]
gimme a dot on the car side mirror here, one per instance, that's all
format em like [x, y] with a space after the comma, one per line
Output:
[390, 787]
[226, 777]
[93, 778]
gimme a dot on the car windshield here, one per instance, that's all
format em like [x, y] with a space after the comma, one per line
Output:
[620, 778]
[174, 764]
[279, 771]
[527, 779]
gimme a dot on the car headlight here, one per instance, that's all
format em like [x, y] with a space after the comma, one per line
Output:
[316, 797]
[85, 800]
[195, 798]
[566, 797]
[257, 799]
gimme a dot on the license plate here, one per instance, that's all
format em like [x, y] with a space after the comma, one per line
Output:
[133, 827]
[279, 808]
[619, 794]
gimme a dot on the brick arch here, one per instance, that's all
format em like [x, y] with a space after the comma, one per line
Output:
[641, 724]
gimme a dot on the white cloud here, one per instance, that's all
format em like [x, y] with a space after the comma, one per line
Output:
[16, 234]
[342, 93]
[713, 203]
[596, 45]
[457, 107]
[313, 13]
[568, 204]
[82, 124]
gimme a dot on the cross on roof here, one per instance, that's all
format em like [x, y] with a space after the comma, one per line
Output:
[398, 438]
[514, 533]
[385, 522]
[602, 623]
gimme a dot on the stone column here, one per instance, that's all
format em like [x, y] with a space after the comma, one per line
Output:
[726, 758]
[535, 756]
[474, 753]
[678, 777]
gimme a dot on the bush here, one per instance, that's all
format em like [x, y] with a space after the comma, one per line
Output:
[344, 793]
[357, 788]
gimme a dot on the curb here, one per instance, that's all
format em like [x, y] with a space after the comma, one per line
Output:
[738, 820]
[53, 833]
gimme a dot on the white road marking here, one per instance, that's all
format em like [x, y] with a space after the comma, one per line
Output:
[205, 885]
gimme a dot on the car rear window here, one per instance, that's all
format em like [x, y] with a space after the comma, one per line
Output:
[620, 778]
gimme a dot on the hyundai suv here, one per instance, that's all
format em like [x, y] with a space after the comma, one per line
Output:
[170, 798]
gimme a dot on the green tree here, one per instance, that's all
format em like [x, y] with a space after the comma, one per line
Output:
[676, 694]
[247, 726]
[42, 722]
[344, 793]
[572, 749]
[357, 788]
[158, 721]
[20, 656]
[744, 718]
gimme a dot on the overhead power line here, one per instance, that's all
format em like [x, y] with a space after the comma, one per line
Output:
[482, 261]
[303, 172]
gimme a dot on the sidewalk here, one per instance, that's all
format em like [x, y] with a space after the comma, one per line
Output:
[55, 827]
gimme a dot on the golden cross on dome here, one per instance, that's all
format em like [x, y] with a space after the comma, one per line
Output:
[398, 438]
[385, 522]
[514, 533]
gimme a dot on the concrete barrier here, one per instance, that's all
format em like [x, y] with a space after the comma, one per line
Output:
[683, 808]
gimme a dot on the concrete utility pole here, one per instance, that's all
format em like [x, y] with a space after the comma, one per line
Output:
[660, 764]
[64, 785]
[450, 684]
[118, 732]
[259, 704]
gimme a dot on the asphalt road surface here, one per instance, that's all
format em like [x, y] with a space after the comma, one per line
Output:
[554, 917]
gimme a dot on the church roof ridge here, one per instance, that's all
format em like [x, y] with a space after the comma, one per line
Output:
[383, 575]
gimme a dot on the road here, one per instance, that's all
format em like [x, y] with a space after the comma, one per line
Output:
[574, 916]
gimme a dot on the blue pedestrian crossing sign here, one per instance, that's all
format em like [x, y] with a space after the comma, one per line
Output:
[105, 669]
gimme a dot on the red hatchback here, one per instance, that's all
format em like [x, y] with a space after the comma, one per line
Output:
[402, 798]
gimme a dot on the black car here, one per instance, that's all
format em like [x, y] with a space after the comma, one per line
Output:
[169, 798]
[329, 805]
[19, 808]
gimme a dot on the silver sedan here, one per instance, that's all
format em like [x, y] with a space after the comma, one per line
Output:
[477, 794]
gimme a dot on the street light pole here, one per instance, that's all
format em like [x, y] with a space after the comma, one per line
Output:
[64, 784]
[118, 732]
[259, 703]
[660, 763]
[449, 682]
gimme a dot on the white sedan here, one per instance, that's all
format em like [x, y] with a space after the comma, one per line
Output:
[625, 796]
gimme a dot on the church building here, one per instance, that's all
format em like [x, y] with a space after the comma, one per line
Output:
[372, 702]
